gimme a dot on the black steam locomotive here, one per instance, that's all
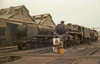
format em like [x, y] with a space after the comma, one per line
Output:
[34, 36]
[74, 34]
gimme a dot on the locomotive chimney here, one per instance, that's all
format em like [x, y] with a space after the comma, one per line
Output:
[62, 22]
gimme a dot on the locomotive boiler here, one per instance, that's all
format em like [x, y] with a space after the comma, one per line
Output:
[34, 36]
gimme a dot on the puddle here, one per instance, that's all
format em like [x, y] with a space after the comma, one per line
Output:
[7, 59]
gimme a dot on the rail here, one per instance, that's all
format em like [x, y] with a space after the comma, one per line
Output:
[83, 57]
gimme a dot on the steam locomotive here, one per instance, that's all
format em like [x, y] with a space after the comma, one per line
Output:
[30, 35]
[74, 34]
[34, 36]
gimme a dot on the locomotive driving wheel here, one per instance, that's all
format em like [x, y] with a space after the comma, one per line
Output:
[21, 45]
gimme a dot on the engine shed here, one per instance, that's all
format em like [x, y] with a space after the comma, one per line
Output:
[9, 19]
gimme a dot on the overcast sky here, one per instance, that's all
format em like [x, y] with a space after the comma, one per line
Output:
[81, 12]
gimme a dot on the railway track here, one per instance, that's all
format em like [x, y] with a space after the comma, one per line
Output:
[41, 52]
[88, 51]
[8, 49]
[82, 53]
[10, 54]
[35, 51]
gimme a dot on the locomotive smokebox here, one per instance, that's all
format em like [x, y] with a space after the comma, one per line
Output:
[60, 28]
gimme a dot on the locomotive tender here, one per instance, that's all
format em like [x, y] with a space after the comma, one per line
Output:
[74, 34]
[34, 36]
